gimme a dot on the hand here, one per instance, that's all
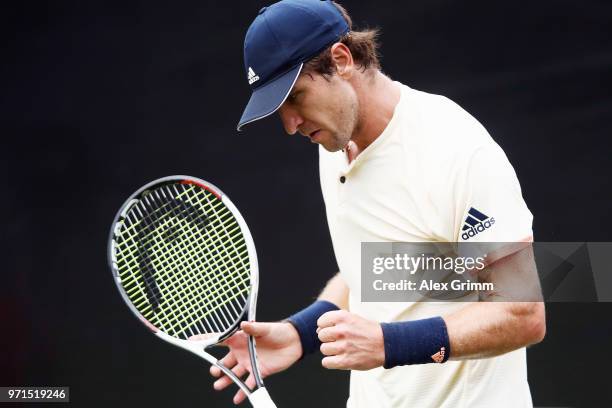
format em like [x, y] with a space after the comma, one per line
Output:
[278, 347]
[350, 342]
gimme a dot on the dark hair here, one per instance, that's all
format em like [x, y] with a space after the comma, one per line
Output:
[362, 44]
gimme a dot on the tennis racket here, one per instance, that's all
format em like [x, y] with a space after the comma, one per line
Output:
[184, 262]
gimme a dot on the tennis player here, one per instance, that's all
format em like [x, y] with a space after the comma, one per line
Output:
[396, 165]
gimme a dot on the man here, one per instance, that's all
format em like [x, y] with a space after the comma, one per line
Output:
[396, 165]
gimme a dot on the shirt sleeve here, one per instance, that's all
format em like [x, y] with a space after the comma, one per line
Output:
[492, 204]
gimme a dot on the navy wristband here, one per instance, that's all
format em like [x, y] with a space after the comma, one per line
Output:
[416, 342]
[305, 322]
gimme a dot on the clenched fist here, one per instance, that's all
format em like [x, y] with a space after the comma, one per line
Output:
[350, 342]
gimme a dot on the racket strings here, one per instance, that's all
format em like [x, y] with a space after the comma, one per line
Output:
[183, 261]
[179, 265]
[180, 258]
[168, 235]
[198, 262]
[139, 216]
[216, 301]
[221, 316]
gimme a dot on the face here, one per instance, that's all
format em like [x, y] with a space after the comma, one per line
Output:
[322, 109]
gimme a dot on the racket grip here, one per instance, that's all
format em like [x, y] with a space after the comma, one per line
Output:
[261, 399]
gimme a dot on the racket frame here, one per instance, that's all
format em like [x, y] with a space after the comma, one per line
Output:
[258, 397]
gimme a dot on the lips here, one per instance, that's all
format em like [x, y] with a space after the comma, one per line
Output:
[313, 135]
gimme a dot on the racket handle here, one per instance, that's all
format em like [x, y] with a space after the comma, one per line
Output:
[261, 399]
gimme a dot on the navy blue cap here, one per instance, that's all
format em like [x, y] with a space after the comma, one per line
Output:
[281, 38]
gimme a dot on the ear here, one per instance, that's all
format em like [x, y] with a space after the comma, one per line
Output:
[342, 59]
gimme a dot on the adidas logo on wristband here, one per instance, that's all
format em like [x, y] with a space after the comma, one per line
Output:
[439, 356]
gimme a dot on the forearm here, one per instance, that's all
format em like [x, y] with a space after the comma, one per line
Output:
[482, 330]
[478, 330]
[336, 291]
[501, 324]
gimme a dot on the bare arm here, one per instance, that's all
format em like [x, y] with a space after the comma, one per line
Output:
[501, 324]
[336, 291]
[478, 330]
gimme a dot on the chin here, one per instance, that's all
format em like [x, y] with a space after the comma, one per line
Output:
[333, 144]
[331, 148]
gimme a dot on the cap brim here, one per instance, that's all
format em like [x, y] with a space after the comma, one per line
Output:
[266, 99]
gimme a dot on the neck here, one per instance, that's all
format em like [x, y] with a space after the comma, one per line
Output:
[378, 95]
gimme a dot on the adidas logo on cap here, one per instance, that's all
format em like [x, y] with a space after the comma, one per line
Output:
[475, 223]
[253, 77]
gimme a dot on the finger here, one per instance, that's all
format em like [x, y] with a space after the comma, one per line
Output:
[256, 329]
[331, 349]
[224, 381]
[229, 360]
[328, 334]
[240, 396]
[331, 318]
[215, 371]
[250, 381]
[334, 363]
[233, 339]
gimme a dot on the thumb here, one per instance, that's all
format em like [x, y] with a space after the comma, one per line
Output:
[256, 329]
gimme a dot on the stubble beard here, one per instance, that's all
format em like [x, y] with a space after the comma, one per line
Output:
[348, 127]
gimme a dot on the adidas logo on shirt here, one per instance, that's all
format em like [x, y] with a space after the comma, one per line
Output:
[253, 77]
[475, 223]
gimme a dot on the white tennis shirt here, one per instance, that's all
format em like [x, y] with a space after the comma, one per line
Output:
[417, 182]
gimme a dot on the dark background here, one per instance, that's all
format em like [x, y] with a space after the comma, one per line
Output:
[99, 98]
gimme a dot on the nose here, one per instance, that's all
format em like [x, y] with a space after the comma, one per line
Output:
[290, 118]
